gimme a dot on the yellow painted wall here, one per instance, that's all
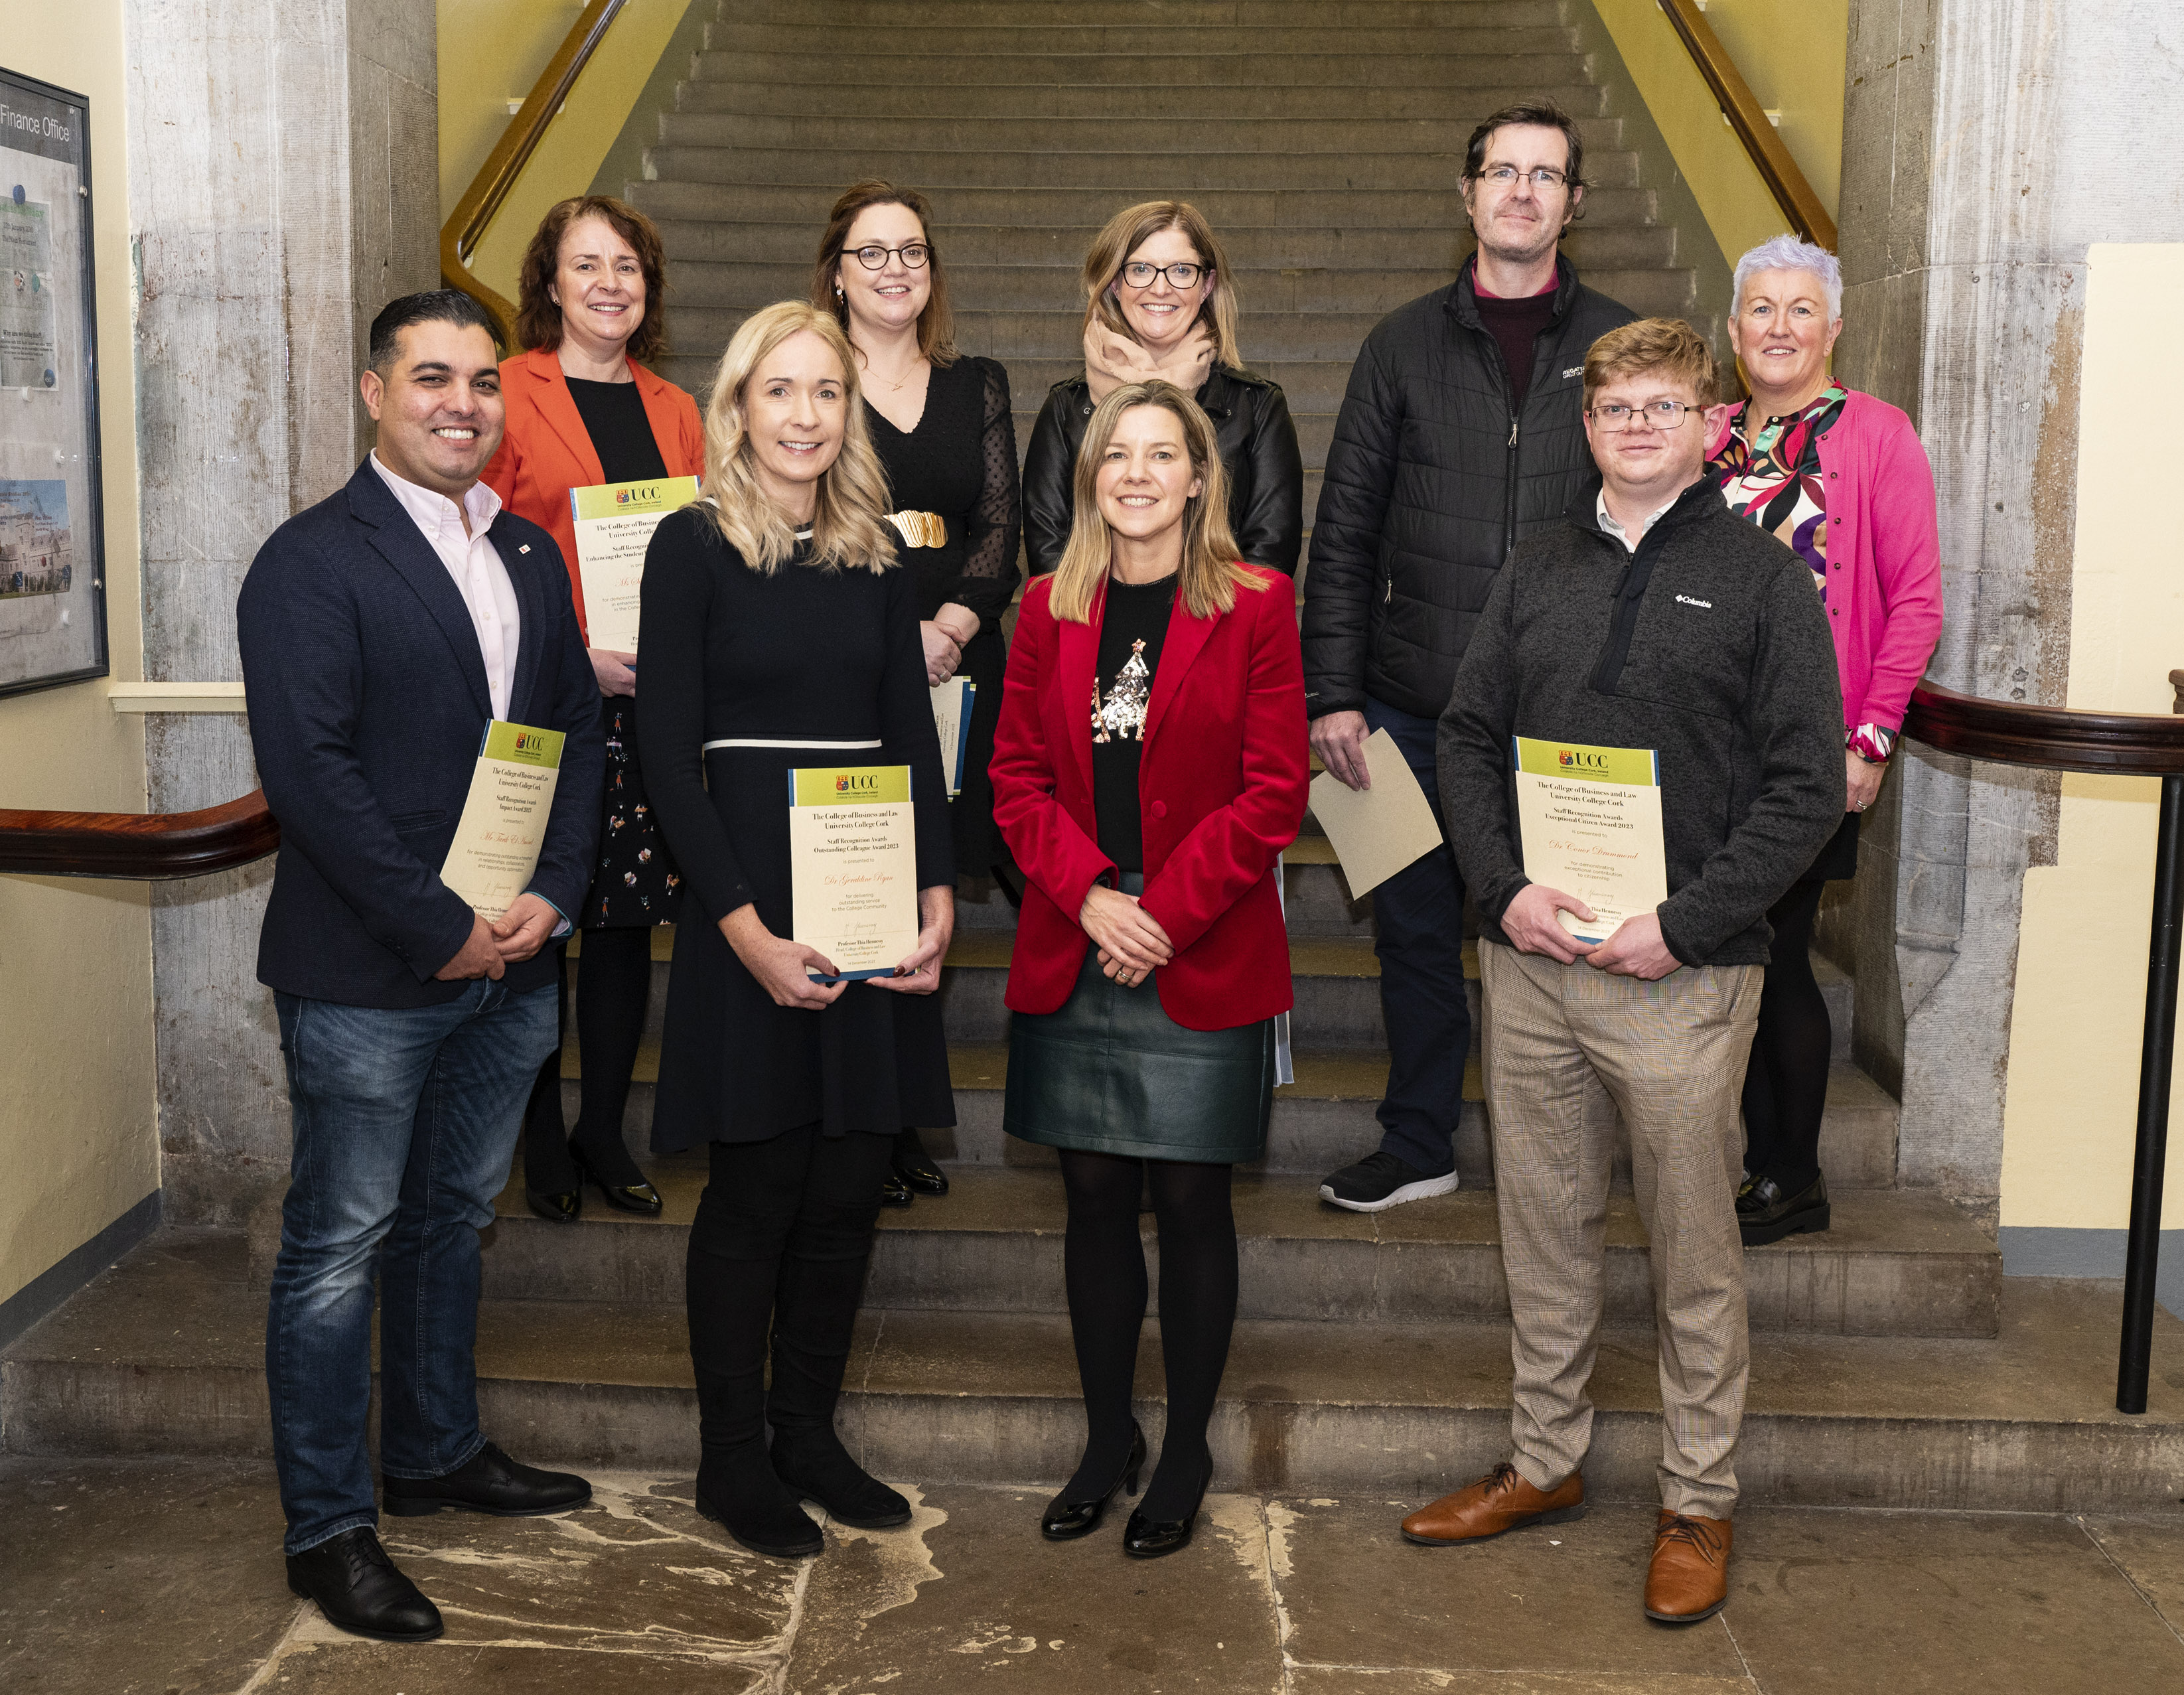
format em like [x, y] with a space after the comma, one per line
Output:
[492, 51]
[2069, 1122]
[1791, 54]
[79, 1116]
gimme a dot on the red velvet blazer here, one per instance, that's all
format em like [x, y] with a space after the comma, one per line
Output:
[1222, 788]
[547, 451]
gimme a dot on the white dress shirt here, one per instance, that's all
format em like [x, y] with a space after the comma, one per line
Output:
[1609, 527]
[480, 577]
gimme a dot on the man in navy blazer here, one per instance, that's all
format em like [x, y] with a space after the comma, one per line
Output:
[382, 631]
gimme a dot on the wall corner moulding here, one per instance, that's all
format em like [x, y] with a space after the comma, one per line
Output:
[175, 697]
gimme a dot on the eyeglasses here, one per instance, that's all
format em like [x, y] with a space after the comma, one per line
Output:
[914, 255]
[1661, 415]
[1180, 275]
[1506, 175]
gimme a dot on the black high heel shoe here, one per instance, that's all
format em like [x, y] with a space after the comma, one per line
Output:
[920, 1175]
[894, 1192]
[562, 1207]
[1065, 1520]
[1144, 1538]
[639, 1197]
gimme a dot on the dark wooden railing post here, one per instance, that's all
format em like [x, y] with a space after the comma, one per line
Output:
[2157, 1054]
[2119, 745]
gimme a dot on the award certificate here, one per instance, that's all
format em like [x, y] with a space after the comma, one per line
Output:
[853, 865]
[496, 846]
[1590, 819]
[951, 717]
[614, 522]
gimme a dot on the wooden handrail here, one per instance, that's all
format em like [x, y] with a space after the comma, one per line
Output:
[2045, 738]
[1792, 193]
[154, 846]
[466, 226]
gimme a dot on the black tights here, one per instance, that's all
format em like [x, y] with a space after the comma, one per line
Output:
[612, 989]
[1105, 1263]
[1786, 1087]
[777, 1253]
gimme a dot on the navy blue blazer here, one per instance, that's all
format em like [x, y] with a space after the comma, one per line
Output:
[368, 702]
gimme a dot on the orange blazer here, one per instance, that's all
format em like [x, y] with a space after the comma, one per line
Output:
[547, 451]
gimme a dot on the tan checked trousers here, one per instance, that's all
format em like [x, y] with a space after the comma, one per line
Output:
[1566, 1050]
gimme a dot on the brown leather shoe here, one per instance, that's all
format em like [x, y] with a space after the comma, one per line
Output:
[1499, 1501]
[1689, 1578]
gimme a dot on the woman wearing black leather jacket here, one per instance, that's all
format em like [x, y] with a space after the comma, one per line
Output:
[1159, 304]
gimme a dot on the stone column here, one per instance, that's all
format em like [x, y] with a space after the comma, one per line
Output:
[283, 184]
[1986, 144]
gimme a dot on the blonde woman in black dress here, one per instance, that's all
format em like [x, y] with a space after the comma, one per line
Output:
[939, 421]
[776, 632]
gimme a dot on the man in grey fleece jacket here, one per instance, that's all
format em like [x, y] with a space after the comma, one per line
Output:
[1651, 619]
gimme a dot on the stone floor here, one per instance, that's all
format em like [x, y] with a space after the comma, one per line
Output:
[163, 1577]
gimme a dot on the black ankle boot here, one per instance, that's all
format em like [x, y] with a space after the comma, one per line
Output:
[735, 1485]
[811, 1461]
[737, 1490]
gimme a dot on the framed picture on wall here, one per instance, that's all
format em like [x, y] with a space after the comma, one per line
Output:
[53, 549]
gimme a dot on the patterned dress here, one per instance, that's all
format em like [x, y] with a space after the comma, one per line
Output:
[1772, 477]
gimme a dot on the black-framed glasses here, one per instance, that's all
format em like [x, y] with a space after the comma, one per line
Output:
[1505, 176]
[917, 255]
[1661, 415]
[1181, 275]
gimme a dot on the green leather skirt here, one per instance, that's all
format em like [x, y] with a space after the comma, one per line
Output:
[1111, 1072]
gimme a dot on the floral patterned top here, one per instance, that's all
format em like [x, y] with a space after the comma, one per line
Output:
[1771, 477]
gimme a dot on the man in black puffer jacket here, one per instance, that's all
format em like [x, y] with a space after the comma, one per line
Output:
[1462, 432]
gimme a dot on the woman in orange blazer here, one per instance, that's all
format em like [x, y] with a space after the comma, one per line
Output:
[1148, 768]
[583, 411]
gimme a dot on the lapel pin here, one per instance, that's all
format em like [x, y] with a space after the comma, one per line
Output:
[523, 547]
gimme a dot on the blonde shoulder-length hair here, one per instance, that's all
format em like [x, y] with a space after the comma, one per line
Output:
[847, 526]
[1130, 228]
[1210, 572]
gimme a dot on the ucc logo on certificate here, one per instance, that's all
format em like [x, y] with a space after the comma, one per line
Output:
[1589, 819]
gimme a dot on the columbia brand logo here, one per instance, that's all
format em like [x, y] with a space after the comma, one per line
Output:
[1685, 600]
[1574, 370]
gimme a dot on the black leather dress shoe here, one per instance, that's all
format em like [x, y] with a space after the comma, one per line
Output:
[362, 1591]
[894, 1192]
[920, 1175]
[1144, 1538]
[1064, 1520]
[639, 1197]
[1765, 1214]
[492, 1483]
[562, 1208]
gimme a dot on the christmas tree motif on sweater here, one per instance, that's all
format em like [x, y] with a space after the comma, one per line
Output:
[1124, 709]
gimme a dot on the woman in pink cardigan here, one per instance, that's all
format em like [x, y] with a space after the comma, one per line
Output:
[1841, 479]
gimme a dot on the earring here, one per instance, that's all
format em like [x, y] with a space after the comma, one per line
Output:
[839, 295]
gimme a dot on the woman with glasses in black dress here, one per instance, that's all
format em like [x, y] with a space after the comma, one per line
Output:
[940, 422]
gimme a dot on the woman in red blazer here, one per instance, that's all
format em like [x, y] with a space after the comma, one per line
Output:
[1148, 768]
[583, 410]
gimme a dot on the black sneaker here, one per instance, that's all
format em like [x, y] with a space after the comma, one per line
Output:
[1765, 1214]
[1379, 1181]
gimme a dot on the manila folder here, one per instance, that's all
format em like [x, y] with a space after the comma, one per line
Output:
[1376, 833]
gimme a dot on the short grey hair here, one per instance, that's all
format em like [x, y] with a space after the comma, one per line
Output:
[1787, 252]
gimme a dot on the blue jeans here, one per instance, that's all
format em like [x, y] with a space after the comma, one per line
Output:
[1419, 915]
[404, 1122]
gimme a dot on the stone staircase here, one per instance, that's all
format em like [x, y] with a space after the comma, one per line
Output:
[1892, 1365]
[1323, 141]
